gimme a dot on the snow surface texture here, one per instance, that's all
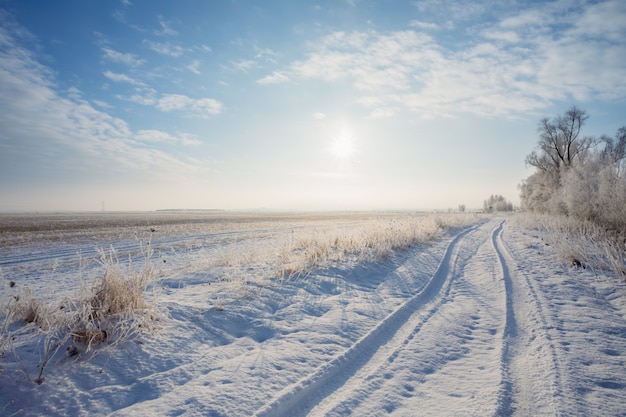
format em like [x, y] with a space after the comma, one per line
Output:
[481, 322]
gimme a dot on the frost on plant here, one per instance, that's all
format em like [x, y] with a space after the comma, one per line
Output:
[584, 179]
[110, 311]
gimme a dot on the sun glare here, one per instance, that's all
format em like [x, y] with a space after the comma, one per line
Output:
[343, 146]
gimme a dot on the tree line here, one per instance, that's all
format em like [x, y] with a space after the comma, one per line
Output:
[496, 202]
[576, 175]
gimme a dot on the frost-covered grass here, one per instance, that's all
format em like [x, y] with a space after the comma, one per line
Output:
[110, 310]
[112, 301]
[581, 243]
[243, 270]
[367, 242]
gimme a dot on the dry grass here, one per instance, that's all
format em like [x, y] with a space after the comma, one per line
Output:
[115, 306]
[294, 254]
[369, 242]
[111, 310]
[118, 305]
[580, 243]
[119, 292]
[24, 306]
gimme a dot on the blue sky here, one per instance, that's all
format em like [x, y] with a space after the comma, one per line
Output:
[240, 104]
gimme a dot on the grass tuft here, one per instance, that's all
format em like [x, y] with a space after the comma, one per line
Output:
[108, 312]
[582, 244]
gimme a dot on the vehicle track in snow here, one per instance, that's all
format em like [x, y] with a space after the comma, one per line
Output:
[531, 372]
[472, 342]
[362, 370]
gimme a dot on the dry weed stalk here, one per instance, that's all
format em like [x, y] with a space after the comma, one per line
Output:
[115, 306]
[298, 252]
[112, 310]
[582, 243]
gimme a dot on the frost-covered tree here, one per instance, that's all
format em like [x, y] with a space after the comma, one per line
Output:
[560, 147]
[575, 176]
[536, 192]
[614, 152]
[596, 190]
[560, 141]
[497, 203]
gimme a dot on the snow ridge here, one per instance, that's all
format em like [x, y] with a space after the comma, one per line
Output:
[529, 359]
[307, 392]
[510, 328]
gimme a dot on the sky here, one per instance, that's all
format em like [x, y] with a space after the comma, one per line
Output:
[294, 105]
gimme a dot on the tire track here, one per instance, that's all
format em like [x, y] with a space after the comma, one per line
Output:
[510, 329]
[529, 359]
[403, 324]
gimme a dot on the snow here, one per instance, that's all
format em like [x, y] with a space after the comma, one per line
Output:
[483, 320]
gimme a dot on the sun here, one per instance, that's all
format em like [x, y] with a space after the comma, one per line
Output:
[343, 146]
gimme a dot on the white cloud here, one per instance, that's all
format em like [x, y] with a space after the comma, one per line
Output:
[371, 101]
[194, 67]
[373, 61]
[515, 65]
[382, 113]
[423, 25]
[533, 17]
[123, 58]
[275, 78]
[243, 65]
[205, 48]
[55, 138]
[102, 104]
[266, 54]
[146, 99]
[171, 102]
[163, 137]
[203, 107]
[165, 48]
[455, 9]
[121, 78]
[166, 28]
[502, 35]
[603, 20]
[74, 93]
[319, 116]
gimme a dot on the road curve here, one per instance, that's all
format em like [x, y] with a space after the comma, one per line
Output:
[471, 342]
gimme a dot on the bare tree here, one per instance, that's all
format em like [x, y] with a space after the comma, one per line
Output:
[560, 143]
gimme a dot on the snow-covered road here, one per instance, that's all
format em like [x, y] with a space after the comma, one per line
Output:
[477, 340]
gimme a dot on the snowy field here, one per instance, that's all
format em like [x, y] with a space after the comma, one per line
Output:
[321, 314]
